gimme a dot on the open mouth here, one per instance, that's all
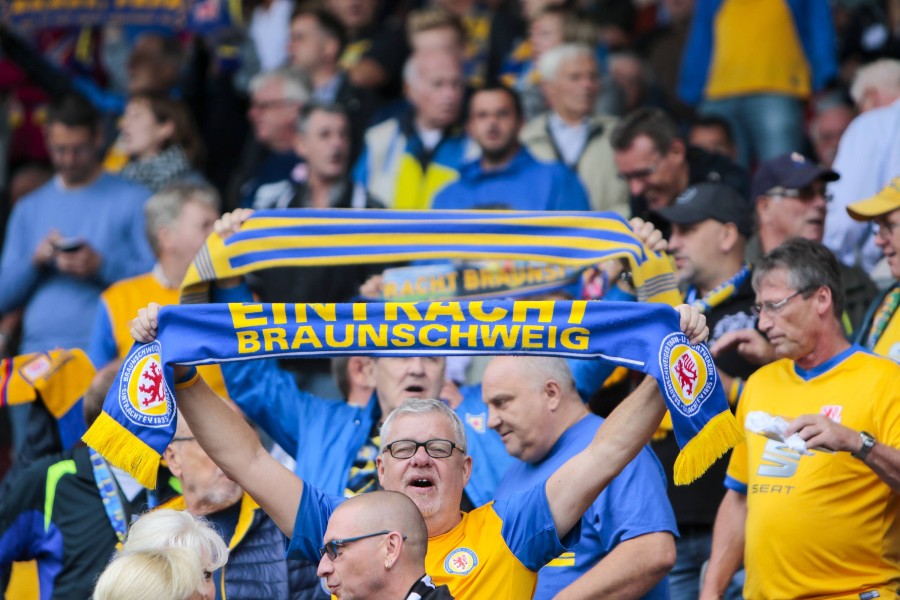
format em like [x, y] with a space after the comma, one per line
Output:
[416, 390]
[422, 483]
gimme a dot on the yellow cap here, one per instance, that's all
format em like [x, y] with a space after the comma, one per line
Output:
[885, 201]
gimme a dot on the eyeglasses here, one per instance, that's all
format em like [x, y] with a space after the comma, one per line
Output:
[332, 548]
[885, 229]
[807, 194]
[267, 104]
[434, 448]
[774, 307]
[641, 174]
[183, 439]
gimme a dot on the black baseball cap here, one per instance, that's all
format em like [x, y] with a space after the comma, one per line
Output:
[710, 201]
[791, 171]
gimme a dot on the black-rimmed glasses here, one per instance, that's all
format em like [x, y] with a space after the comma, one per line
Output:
[435, 448]
[332, 548]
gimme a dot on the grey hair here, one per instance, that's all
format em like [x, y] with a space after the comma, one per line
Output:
[164, 208]
[296, 85]
[543, 368]
[883, 74]
[166, 528]
[551, 60]
[809, 265]
[418, 406]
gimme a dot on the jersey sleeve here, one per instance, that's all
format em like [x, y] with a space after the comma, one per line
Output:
[737, 476]
[312, 519]
[634, 504]
[528, 528]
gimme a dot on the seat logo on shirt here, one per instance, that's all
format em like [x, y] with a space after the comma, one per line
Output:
[833, 412]
[460, 561]
[691, 373]
[781, 460]
[144, 397]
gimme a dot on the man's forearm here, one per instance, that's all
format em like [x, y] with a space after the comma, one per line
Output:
[631, 570]
[727, 553]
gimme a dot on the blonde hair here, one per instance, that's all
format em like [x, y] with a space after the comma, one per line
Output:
[426, 19]
[166, 528]
[162, 574]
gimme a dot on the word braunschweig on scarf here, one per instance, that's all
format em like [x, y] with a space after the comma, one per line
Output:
[458, 328]
[138, 419]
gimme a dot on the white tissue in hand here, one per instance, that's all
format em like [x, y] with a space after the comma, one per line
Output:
[774, 428]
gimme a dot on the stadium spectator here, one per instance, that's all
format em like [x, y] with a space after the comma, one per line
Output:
[813, 523]
[173, 574]
[713, 134]
[828, 124]
[507, 176]
[572, 132]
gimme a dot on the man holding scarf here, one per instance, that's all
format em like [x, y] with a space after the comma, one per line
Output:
[493, 551]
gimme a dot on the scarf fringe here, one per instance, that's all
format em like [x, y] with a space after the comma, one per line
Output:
[123, 449]
[717, 437]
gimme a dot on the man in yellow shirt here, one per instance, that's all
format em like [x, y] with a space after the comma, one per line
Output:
[880, 331]
[820, 524]
[179, 219]
[493, 551]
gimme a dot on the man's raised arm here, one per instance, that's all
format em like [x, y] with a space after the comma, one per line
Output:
[228, 440]
[576, 484]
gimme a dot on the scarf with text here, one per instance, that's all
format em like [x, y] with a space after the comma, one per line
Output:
[138, 419]
[308, 237]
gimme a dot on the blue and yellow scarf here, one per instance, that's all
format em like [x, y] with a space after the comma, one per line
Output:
[282, 238]
[138, 421]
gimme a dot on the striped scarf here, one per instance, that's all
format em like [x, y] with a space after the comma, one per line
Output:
[280, 238]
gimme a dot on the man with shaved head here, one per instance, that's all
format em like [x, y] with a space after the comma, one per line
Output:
[627, 544]
[375, 547]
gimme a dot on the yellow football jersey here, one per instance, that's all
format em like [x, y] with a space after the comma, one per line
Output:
[820, 526]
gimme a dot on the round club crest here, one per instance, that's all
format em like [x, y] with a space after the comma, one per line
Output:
[689, 374]
[460, 561]
[144, 396]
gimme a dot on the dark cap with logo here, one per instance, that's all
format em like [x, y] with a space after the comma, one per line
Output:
[790, 171]
[715, 201]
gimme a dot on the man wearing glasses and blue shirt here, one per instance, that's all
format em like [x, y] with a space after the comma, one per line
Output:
[820, 524]
[493, 551]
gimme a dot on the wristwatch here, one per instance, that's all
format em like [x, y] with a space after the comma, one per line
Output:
[868, 442]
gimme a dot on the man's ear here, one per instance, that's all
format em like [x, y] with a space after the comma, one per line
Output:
[173, 460]
[393, 545]
[553, 392]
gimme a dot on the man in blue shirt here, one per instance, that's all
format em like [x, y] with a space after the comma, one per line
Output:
[627, 543]
[507, 176]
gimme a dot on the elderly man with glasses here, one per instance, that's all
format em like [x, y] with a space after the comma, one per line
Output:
[818, 523]
[791, 201]
[880, 331]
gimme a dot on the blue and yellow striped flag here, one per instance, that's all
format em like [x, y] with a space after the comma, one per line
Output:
[305, 237]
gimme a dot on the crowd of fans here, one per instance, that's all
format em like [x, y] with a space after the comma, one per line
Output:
[758, 143]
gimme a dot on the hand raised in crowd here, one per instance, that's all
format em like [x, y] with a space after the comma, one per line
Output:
[750, 344]
[144, 325]
[693, 323]
[592, 277]
[226, 226]
[83, 262]
[818, 431]
[229, 223]
[46, 249]
[650, 235]
[373, 287]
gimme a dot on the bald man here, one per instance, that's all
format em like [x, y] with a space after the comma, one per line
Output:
[627, 540]
[375, 547]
